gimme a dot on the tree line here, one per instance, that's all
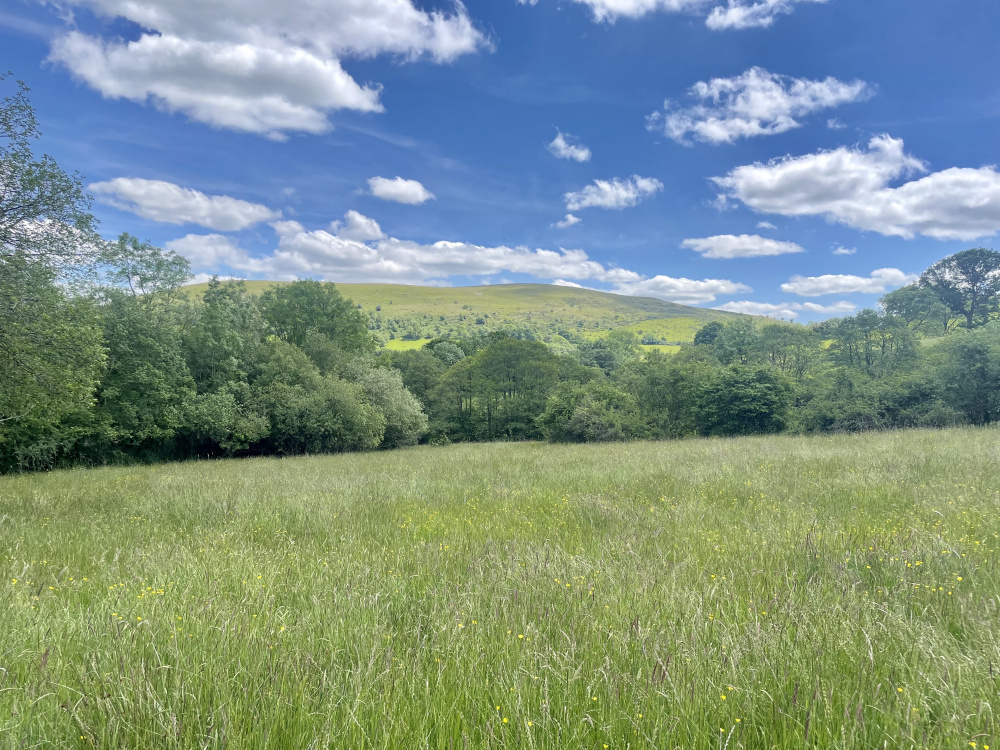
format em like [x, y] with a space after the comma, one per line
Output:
[105, 357]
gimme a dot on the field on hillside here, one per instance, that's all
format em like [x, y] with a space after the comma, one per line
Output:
[835, 592]
[555, 314]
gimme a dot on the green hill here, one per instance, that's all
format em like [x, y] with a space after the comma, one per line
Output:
[403, 315]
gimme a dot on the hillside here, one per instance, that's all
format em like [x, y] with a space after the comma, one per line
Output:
[403, 315]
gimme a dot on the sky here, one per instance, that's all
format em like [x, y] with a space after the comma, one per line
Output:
[791, 158]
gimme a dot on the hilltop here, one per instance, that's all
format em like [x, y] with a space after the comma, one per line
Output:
[404, 315]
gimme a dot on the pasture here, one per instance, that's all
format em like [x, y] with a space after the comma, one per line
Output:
[831, 592]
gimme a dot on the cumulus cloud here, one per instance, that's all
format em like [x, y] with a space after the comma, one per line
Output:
[336, 256]
[615, 193]
[399, 190]
[172, 204]
[844, 250]
[765, 225]
[853, 186]
[747, 14]
[569, 221]
[685, 291]
[739, 14]
[752, 104]
[880, 281]
[742, 246]
[788, 311]
[358, 227]
[255, 65]
[568, 147]
[563, 282]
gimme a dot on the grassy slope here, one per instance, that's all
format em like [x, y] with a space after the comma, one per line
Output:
[835, 592]
[435, 311]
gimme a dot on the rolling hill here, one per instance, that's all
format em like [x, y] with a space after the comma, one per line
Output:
[404, 316]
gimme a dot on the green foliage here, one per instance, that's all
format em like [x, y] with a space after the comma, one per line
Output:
[920, 307]
[968, 283]
[707, 335]
[744, 400]
[44, 213]
[294, 310]
[597, 412]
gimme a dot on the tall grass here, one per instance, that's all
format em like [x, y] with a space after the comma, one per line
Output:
[834, 592]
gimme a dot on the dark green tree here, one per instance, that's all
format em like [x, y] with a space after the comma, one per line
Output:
[744, 400]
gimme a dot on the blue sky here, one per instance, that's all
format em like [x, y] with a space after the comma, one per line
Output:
[812, 155]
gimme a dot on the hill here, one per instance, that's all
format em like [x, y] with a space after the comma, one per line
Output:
[404, 315]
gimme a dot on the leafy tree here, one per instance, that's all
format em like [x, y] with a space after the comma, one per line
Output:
[50, 362]
[968, 283]
[222, 344]
[44, 213]
[669, 388]
[405, 421]
[309, 412]
[744, 400]
[295, 309]
[421, 371]
[967, 367]
[917, 305]
[50, 348]
[872, 342]
[737, 341]
[597, 411]
[707, 334]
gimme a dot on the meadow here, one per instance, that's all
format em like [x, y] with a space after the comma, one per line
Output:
[779, 592]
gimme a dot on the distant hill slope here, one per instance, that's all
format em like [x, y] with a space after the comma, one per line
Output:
[400, 313]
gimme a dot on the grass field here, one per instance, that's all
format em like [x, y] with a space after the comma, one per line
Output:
[835, 592]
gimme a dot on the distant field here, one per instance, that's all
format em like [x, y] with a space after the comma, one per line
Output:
[399, 345]
[553, 313]
[835, 592]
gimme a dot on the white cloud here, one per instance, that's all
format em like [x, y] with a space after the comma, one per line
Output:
[752, 104]
[742, 246]
[569, 221]
[852, 186]
[568, 147]
[399, 190]
[845, 250]
[816, 286]
[746, 14]
[563, 282]
[685, 291]
[615, 193]
[765, 225]
[788, 311]
[739, 14]
[358, 227]
[256, 65]
[336, 257]
[172, 204]
[835, 124]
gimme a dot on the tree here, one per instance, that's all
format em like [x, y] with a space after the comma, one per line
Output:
[145, 272]
[744, 400]
[736, 341]
[295, 309]
[917, 305]
[50, 347]
[597, 411]
[707, 334]
[44, 213]
[968, 283]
